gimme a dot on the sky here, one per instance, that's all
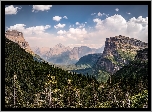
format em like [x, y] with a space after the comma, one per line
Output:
[77, 25]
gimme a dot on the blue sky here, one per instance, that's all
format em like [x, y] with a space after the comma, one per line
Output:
[76, 25]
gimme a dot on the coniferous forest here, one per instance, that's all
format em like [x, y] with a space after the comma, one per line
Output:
[33, 84]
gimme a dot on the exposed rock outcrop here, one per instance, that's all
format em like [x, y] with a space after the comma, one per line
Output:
[17, 37]
[118, 51]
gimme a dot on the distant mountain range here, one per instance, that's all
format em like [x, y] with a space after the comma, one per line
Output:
[118, 52]
[33, 84]
[62, 55]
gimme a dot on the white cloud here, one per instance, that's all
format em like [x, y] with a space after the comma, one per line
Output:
[99, 14]
[77, 23]
[29, 30]
[38, 29]
[77, 31]
[117, 25]
[61, 39]
[82, 44]
[65, 17]
[76, 34]
[85, 22]
[80, 25]
[107, 15]
[41, 7]
[112, 26]
[40, 38]
[59, 26]
[128, 13]
[93, 14]
[98, 21]
[57, 18]
[19, 27]
[61, 32]
[116, 9]
[11, 10]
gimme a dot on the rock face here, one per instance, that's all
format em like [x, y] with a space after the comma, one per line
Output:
[17, 37]
[118, 51]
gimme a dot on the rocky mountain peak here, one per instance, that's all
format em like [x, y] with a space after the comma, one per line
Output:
[17, 37]
[118, 51]
[123, 43]
[59, 45]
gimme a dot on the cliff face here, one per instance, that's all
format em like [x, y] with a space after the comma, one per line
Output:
[17, 37]
[118, 51]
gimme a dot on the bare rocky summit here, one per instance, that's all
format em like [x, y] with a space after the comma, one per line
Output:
[118, 51]
[17, 37]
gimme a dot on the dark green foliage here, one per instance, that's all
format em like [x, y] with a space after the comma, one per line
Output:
[38, 58]
[32, 75]
[33, 84]
[103, 76]
[133, 76]
[88, 60]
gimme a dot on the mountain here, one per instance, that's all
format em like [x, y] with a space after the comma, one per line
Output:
[134, 75]
[85, 64]
[118, 51]
[28, 82]
[88, 60]
[18, 38]
[33, 84]
[62, 55]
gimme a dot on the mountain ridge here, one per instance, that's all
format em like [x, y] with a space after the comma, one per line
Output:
[119, 50]
[60, 51]
[17, 37]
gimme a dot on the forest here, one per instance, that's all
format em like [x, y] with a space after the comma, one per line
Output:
[34, 84]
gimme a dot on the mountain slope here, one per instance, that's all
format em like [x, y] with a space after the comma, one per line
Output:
[88, 60]
[118, 51]
[31, 84]
[31, 80]
[18, 38]
[128, 87]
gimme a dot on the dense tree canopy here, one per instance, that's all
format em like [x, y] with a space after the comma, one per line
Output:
[33, 84]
